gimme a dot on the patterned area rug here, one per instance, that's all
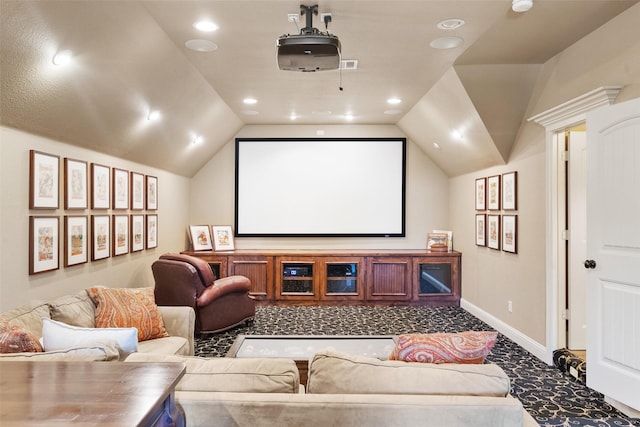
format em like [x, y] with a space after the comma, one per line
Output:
[552, 397]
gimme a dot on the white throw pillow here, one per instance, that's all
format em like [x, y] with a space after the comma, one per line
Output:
[58, 336]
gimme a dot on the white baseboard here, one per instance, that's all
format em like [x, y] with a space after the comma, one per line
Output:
[510, 332]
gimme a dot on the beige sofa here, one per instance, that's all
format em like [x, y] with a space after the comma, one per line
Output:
[78, 310]
[343, 390]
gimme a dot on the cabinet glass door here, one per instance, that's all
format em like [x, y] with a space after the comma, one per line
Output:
[342, 278]
[297, 278]
[435, 278]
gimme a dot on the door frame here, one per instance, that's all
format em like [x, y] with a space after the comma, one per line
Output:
[554, 120]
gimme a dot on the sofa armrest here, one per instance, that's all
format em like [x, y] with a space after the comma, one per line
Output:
[179, 321]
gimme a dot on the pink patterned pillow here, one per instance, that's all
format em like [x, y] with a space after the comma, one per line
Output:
[463, 347]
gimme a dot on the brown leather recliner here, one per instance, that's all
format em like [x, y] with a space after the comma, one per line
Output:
[219, 304]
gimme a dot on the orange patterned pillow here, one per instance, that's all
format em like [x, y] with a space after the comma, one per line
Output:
[128, 308]
[15, 339]
[463, 347]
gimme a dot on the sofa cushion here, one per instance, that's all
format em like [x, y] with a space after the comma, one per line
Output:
[167, 345]
[16, 339]
[105, 351]
[58, 336]
[128, 308]
[76, 310]
[333, 372]
[28, 317]
[463, 347]
[226, 374]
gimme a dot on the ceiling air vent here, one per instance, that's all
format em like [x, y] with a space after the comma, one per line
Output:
[349, 64]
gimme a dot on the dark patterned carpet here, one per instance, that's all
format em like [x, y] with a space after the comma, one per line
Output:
[551, 396]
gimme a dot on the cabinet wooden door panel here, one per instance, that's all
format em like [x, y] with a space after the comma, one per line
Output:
[259, 270]
[389, 279]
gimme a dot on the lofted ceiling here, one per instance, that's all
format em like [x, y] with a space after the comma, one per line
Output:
[129, 58]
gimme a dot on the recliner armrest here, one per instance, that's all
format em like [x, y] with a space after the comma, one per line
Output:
[223, 286]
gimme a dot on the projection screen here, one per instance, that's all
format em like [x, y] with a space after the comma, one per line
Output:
[351, 187]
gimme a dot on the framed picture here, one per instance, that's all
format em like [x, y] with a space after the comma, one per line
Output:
[493, 192]
[481, 194]
[152, 231]
[44, 177]
[137, 233]
[222, 238]
[436, 239]
[493, 231]
[481, 230]
[100, 237]
[510, 191]
[152, 192]
[43, 244]
[120, 189]
[137, 191]
[510, 233]
[100, 186]
[75, 184]
[120, 241]
[449, 238]
[200, 237]
[76, 249]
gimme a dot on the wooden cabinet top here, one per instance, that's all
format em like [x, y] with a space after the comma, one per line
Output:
[328, 252]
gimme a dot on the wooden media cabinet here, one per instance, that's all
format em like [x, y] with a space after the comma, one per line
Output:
[313, 277]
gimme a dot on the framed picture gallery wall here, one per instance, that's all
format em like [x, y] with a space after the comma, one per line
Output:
[496, 219]
[106, 212]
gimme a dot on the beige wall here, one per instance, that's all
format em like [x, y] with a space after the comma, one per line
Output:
[427, 199]
[132, 270]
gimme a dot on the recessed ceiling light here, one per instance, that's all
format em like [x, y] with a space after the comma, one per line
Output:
[446, 42]
[206, 26]
[154, 115]
[197, 139]
[293, 116]
[394, 101]
[348, 116]
[200, 45]
[63, 57]
[450, 24]
[521, 5]
[436, 146]
[250, 101]
[456, 134]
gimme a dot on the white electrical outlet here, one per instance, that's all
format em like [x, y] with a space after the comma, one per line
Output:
[510, 306]
[292, 17]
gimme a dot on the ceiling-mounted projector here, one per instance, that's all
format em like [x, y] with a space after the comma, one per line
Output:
[311, 50]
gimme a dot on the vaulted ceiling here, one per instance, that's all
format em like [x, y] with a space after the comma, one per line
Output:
[129, 58]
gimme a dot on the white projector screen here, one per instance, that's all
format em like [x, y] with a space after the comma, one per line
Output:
[320, 187]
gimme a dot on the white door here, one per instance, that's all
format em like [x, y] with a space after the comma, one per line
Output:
[613, 245]
[577, 212]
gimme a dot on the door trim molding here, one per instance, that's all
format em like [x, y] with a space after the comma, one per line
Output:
[557, 119]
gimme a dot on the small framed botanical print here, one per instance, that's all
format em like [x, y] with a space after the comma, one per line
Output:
[493, 231]
[137, 191]
[43, 244]
[100, 237]
[120, 229]
[481, 194]
[100, 186]
[510, 233]
[510, 191]
[76, 249]
[493, 192]
[481, 230]
[152, 192]
[137, 233]
[152, 231]
[75, 184]
[44, 180]
[120, 189]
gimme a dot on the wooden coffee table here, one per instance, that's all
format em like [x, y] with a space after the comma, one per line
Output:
[89, 394]
[301, 348]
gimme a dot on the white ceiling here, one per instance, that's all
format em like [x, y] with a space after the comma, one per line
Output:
[130, 58]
